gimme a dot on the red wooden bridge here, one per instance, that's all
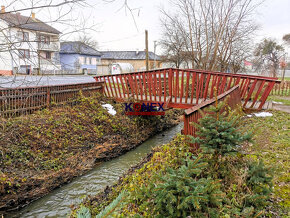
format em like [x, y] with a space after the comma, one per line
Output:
[189, 89]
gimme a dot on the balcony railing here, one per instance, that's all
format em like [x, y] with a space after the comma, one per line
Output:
[51, 46]
[49, 62]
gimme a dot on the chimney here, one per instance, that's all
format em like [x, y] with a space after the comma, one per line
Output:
[33, 15]
[2, 9]
[137, 51]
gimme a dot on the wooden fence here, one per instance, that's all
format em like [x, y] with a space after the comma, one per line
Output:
[192, 115]
[24, 100]
[282, 89]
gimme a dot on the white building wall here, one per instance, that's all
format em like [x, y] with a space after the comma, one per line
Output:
[94, 61]
[5, 57]
[82, 60]
[31, 45]
[10, 45]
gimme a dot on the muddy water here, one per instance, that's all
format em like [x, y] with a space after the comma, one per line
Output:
[56, 204]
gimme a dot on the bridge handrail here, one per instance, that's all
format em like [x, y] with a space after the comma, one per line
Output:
[275, 79]
[192, 115]
[210, 101]
[187, 87]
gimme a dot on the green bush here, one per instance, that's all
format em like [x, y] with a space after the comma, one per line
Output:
[218, 133]
[181, 192]
[259, 180]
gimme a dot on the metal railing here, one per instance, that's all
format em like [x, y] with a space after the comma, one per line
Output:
[24, 100]
[52, 46]
[52, 61]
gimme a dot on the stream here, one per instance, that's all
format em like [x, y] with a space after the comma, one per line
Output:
[56, 203]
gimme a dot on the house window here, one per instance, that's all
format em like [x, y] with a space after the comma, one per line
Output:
[85, 62]
[46, 55]
[25, 69]
[90, 60]
[24, 53]
[23, 36]
[44, 39]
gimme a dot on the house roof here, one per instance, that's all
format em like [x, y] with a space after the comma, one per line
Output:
[128, 55]
[20, 21]
[77, 48]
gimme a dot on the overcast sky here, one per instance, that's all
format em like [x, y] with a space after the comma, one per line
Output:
[115, 28]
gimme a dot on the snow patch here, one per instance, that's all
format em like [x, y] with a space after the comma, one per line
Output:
[276, 102]
[110, 109]
[263, 114]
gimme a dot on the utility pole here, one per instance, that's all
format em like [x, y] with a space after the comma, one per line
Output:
[283, 66]
[146, 50]
[155, 44]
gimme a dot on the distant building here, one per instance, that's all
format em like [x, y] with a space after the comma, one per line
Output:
[136, 58]
[248, 65]
[118, 68]
[27, 45]
[77, 56]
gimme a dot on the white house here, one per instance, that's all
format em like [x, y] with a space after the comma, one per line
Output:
[27, 45]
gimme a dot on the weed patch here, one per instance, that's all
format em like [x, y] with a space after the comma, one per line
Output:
[41, 151]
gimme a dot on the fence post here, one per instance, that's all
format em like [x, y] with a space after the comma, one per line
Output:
[103, 87]
[48, 97]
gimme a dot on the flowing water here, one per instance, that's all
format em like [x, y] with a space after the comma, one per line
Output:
[56, 204]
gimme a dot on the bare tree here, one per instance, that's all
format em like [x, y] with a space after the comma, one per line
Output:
[90, 41]
[286, 38]
[173, 42]
[267, 56]
[217, 33]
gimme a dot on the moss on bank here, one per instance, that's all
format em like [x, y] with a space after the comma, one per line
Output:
[41, 151]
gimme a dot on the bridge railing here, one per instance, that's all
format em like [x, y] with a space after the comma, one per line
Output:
[184, 88]
[254, 89]
[192, 115]
[24, 100]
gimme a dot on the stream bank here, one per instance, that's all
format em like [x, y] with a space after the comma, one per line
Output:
[42, 151]
[57, 203]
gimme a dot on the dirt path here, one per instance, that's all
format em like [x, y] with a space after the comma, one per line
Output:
[284, 97]
[281, 107]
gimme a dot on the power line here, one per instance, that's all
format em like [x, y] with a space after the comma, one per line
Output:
[121, 39]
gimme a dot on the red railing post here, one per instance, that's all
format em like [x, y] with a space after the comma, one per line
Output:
[266, 94]
[170, 80]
